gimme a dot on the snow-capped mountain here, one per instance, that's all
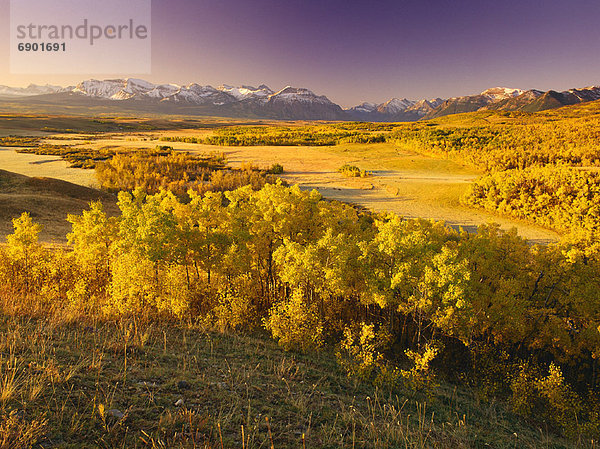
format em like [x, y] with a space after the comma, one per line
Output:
[291, 94]
[125, 89]
[261, 92]
[395, 106]
[394, 110]
[302, 104]
[531, 100]
[113, 89]
[501, 93]
[471, 103]
[289, 102]
[527, 100]
[423, 107]
[195, 94]
[364, 108]
[32, 89]
[587, 93]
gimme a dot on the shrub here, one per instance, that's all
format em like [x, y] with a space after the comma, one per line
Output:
[224, 180]
[133, 285]
[420, 376]
[295, 323]
[548, 397]
[276, 169]
[233, 310]
[24, 252]
[562, 404]
[352, 171]
[361, 350]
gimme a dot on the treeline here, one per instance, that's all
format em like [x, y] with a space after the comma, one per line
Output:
[93, 158]
[178, 172]
[88, 158]
[559, 197]
[77, 157]
[400, 299]
[18, 141]
[317, 135]
[524, 143]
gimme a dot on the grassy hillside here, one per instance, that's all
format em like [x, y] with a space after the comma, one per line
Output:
[48, 200]
[89, 384]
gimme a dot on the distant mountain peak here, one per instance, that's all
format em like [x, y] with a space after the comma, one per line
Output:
[501, 93]
[300, 94]
[245, 92]
[30, 90]
[295, 90]
[395, 105]
[365, 107]
[394, 109]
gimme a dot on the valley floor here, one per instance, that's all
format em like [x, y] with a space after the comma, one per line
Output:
[402, 182]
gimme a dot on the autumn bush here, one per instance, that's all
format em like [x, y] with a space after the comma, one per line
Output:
[361, 350]
[420, 374]
[155, 170]
[295, 323]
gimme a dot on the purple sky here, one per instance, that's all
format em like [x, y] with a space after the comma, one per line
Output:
[354, 51]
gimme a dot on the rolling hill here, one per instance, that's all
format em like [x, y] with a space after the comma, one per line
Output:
[47, 200]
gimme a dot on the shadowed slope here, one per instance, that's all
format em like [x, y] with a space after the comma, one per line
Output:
[48, 201]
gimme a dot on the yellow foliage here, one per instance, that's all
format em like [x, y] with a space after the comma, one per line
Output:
[420, 376]
[361, 350]
[311, 270]
[133, 286]
[562, 404]
[234, 310]
[524, 389]
[295, 323]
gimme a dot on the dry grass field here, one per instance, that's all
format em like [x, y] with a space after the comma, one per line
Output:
[44, 166]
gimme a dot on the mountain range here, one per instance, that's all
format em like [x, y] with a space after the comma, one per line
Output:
[288, 103]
